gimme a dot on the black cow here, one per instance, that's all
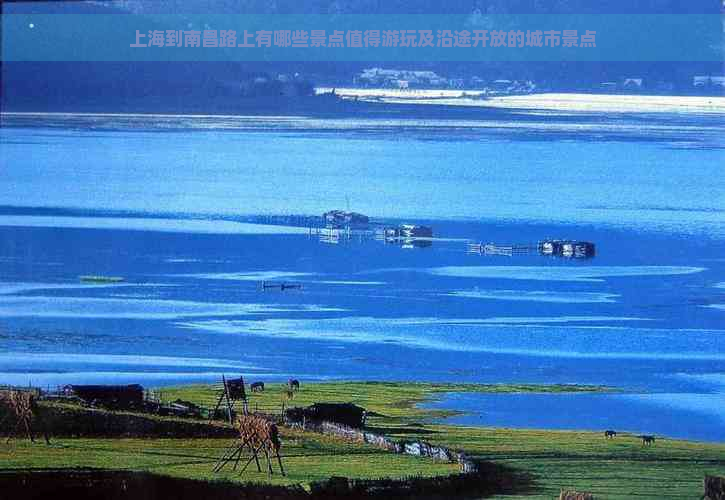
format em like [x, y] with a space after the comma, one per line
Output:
[648, 440]
[293, 384]
[257, 387]
[609, 434]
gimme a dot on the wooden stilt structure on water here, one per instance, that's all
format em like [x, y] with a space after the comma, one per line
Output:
[506, 250]
[256, 434]
[569, 249]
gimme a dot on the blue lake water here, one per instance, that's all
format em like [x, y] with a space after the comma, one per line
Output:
[180, 208]
[692, 416]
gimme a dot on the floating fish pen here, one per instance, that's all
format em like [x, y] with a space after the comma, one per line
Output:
[413, 231]
[334, 236]
[567, 248]
[408, 235]
[414, 243]
[493, 249]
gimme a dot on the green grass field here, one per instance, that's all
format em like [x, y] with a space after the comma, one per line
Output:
[618, 469]
[395, 402]
[306, 457]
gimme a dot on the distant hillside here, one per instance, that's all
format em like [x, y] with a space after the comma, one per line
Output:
[225, 85]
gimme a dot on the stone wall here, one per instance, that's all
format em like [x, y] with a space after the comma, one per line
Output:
[416, 448]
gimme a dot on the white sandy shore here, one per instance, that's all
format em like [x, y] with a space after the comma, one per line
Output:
[149, 224]
[544, 102]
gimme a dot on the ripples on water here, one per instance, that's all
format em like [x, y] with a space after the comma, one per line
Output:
[174, 211]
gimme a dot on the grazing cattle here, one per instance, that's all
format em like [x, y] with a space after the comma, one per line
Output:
[257, 387]
[293, 384]
[610, 434]
[647, 440]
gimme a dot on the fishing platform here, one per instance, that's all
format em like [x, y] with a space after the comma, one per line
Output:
[568, 249]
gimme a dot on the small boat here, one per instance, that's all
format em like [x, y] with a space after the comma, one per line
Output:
[266, 285]
[101, 279]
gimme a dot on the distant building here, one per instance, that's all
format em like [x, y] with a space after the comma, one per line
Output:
[511, 87]
[477, 82]
[399, 78]
[340, 218]
[501, 84]
[339, 413]
[110, 396]
[632, 83]
[457, 83]
[709, 81]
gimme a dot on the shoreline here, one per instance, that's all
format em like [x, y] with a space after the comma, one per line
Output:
[350, 103]
[616, 468]
[413, 401]
[548, 101]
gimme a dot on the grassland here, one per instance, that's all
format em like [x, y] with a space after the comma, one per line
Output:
[307, 457]
[389, 402]
[618, 469]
